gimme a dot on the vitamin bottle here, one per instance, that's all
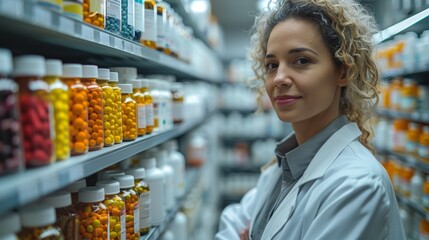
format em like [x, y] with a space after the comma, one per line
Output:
[156, 103]
[116, 206]
[94, 12]
[129, 116]
[93, 215]
[111, 174]
[149, 105]
[73, 9]
[177, 162]
[179, 226]
[400, 127]
[161, 18]
[116, 115]
[38, 223]
[113, 16]
[406, 175]
[10, 226]
[95, 107]
[59, 95]
[395, 94]
[125, 74]
[34, 106]
[73, 189]
[140, 100]
[127, 20]
[131, 199]
[10, 139]
[425, 199]
[142, 188]
[138, 19]
[173, 35]
[178, 101]
[409, 96]
[65, 213]
[108, 99]
[161, 156]
[417, 182]
[413, 134]
[78, 105]
[150, 25]
[167, 101]
[424, 143]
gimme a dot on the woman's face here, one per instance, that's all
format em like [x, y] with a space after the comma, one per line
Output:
[302, 80]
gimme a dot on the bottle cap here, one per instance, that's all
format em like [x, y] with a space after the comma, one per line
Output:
[54, 67]
[76, 186]
[137, 173]
[111, 174]
[104, 74]
[58, 199]
[29, 65]
[110, 186]
[148, 163]
[91, 194]
[90, 71]
[125, 73]
[72, 70]
[135, 83]
[113, 77]
[126, 88]
[37, 215]
[153, 84]
[9, 223]
[125, 181]
[5, 61]
[144, 83]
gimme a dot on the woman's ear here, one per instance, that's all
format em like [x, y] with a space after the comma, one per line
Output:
[342, 82]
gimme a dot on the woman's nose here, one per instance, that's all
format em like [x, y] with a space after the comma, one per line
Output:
[282, 77]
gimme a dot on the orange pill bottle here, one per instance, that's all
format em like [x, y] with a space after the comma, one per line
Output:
[37, 222]
[117, 107]
[78, 105]
[149, 105]
[131, 199]
[94, 12]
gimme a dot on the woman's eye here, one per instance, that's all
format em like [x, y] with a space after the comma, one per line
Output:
[302, 61]
[270, 66]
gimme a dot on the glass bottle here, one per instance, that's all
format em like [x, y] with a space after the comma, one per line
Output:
[38, 223]
[178, 101]
[94, 12]
[129, 116]
[156, 102]
[149, 105]
[139, 97]
[73, 189]
[138, 19]
[149, 34]
[131, 199]
[108, 98]
[116, 114]
[127, 20]
[161, 18]
[113, 16]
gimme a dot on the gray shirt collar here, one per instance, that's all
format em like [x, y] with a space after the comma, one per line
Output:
[294, 158]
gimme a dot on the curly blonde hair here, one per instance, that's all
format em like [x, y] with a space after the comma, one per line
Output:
[347, 30]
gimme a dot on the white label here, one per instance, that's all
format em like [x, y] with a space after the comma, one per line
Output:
[87, 33]
[149, 115]
[144, 210]
[127, 46]
[160, 32]
[113, 9]
[104, 38]
[96, 6]
[136, 218]
[123, 225]
[141, 114]
[42, 17]
[139, 16]
[118, 43]
[130, 13]
[149, 25]
[178, 111]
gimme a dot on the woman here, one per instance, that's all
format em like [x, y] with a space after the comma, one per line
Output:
[316, 60]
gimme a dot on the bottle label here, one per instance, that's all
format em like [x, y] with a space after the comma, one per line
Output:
[160, 32]
[96, 6]
[139, 18]
[149, 25]
[113, 9]
[144, 210]
[130, 13]
[141, 113]
[178, 111]
[136, 218]
[123, 224]
[149, 114]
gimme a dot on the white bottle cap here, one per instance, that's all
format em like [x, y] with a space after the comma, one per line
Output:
[72, 70]
[144, 83]
[148, 163]
[110, 186]
[58, 199]
[126, 88]
[169, 78]
[125, 73]
[5, 61]
[135, 83]
[153, 84]
[111, 174]
[137, 173]
[90, 71]
[29, 65]
[37, 215]
[54, 67]
[76, 186]
[91, 194]
[9, 224]
[113, 77]
[104, 74]
[125, 181]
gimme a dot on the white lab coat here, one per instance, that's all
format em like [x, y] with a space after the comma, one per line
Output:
[344, 193]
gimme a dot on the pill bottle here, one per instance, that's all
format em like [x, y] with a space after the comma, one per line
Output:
[417, 182]
[140, 100]
[78, 105]
[111, 174]
[138, 19]
[127, 20]
[161, 18]
[59, 96]
[125, 74]
[10, 225]
[424, 229]
[167, 102]
[93, 215]
[10, 139]
[400, 127]
[149, 35]
[117, 108]
[36, 122]
[423, 150]
[129, 116]
[131, 199]
[113, 16]
[196, 150]
[116, 206]
[395, 94]
[406, 175]
[161, 156]
[178, 102]
[53, 5]
[73, 9]
[66, 214]
[156, 103]
[95, 107]
[413, 134]
[167, 49]
[94, 12]
[177, 162]
[179, 226]
[108, 99]
[37, 222]
[143, 190]
[173, 35]
[409, 96]
[149, 105]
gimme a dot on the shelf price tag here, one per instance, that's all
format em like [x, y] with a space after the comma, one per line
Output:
[28, 191]
[136, 49]
[87, 33]
[42, 17]
[67, 26]
[104, 39]
[127, 46]
[118, 43]
[49, 183]
[12, 8]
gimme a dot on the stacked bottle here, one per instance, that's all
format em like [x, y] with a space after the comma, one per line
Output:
[107, 102]
[127, 20]
[94, 12]
[149, 105]
[113, 16]
[93, 215]
[116, 104]
[149, 34]
[131, 199]
[140, 100]
[161, 18]
[129, 116]
[38, 223]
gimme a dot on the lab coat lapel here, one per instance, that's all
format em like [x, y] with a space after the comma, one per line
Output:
[316, 169]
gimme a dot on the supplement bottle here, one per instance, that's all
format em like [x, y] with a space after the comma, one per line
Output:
[409, 96]
[113, 16]
[116, 114]
[139, 97]
[138, 19]
[425, 199]
[73, 9]
[142, 188]
[94, 12]
[116, 206]
[413, 134]
[131, 199]
[424, 143]
[149, 34]
[177, 162]
[157, 104]
[149, 105]
[73, 189]
[78, 105]
[38, 223]
[93, 215]
[107, 103]
[161, 19]
[167, 101]
[161, 156]
[59, 95]
[179, 226]
[127, 20]
[95, 107]
[10, 139]
[395, 94]
[129, 116]
[10, 225]
[417, 182]
[406, 175]
[36, 122]
[178, 101]
[400, 127]
[111, 174]
[125, 74]
[66, 214]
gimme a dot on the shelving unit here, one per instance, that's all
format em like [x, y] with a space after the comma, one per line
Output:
[409, 159]
[422, 117]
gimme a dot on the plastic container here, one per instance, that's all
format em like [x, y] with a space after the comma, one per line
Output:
[116, 206]
[149, 105]
[143, 190]
[53, 5]
[149, 35]
[196, 150]
[95, 107]
[178, 103]
[413, 134]
[138, 19]
[417, 182]
[10, 226]
[10, 139]
[177, 162]
[59, 94]
[93, 215]
[424, 143]
[400, 127]
[161, 19]
[113, 16]
[73, 9]
[157, 105]
[125, 74]
[94, 12]
[116, 108]
[167, 106]
[38, 223]
[66, 214]
[179, 226]
[36, 122]
[140, 100]
[127, 19]
[107, 103]
[161, 156]
[73, 189]
[129, 113]
[131, 199]
[409, 96]
[406, 175]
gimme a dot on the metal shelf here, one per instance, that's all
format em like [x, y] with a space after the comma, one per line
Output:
[409, 159]
[417, 116]
[243, 168]
[23, 187]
